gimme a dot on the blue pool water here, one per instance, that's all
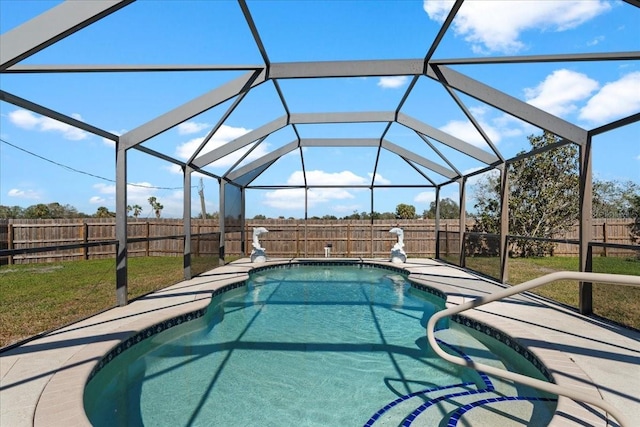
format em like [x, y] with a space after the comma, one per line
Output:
[303, 346]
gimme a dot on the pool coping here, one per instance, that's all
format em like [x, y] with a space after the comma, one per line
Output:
[43, 381]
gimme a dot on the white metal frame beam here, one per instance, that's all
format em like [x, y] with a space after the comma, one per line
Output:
[52, 26]
[190, 109]
[508, 104]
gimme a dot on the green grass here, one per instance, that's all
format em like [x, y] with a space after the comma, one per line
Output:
[40, 297]
[615, 302]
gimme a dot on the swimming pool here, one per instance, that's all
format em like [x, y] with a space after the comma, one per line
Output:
[307, 345]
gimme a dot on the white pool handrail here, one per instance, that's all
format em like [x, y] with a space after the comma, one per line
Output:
[619, 279]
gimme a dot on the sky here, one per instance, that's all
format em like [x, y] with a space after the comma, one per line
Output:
[46, 161]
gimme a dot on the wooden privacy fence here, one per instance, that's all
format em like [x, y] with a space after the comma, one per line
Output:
[342, 238]
[353, 238]
[157, 238]
[286, 238]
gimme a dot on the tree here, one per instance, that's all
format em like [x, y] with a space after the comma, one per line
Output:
[7, 212]
[635, 213]
[449, 209]
[40, 210]
[404, 211]
[384, 215]
[543, 199]
[155, 206]
[354, 215]
[614, 199]
[137, 209]
[103, 212]
[259, 216]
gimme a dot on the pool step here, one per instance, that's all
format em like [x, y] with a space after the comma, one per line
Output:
[463, 405]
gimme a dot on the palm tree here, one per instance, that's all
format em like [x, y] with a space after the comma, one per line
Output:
[136, 210]
[103, 212]
[155, 206]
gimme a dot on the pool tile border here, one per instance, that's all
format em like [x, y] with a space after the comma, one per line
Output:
[153, 330]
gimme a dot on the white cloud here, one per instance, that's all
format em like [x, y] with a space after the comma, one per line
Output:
[27, 120]
[425, 197]
[511, 126]
[595, 41]
[379, 180]
[137, 193]
[23, 194]
[496, 26]
[187, 128]
[560, 91]
[615, 100]
[285, 199]
[318, 177]
[294, 198]
[105, 188]
[392, 82]
[465, 131]
[224, 135]
[97, 200]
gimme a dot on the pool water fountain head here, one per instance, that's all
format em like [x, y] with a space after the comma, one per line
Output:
[398, 255]
[258, 253]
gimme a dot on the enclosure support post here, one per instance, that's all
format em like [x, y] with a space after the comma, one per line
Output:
[121, 224]
[437, 218]
[306, 206]
[463, 217]
[586, 195]
[243, 235]
[504, 223]
[186, 214]
[221, 216]
[371, 222]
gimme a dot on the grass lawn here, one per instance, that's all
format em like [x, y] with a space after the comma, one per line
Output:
[39, 297]
[618, 303]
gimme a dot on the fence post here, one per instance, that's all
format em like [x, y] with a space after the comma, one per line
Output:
[446, 239]
[147, 236]
[85, 239]
[10, 241]
[198, 240]
[371, 235]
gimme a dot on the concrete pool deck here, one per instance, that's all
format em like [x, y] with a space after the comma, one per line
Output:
[42, 381]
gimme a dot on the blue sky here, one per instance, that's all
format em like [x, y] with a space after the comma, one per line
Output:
[587, 94]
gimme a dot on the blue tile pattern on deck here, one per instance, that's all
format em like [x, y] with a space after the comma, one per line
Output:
[401, 399]
[488, 386]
